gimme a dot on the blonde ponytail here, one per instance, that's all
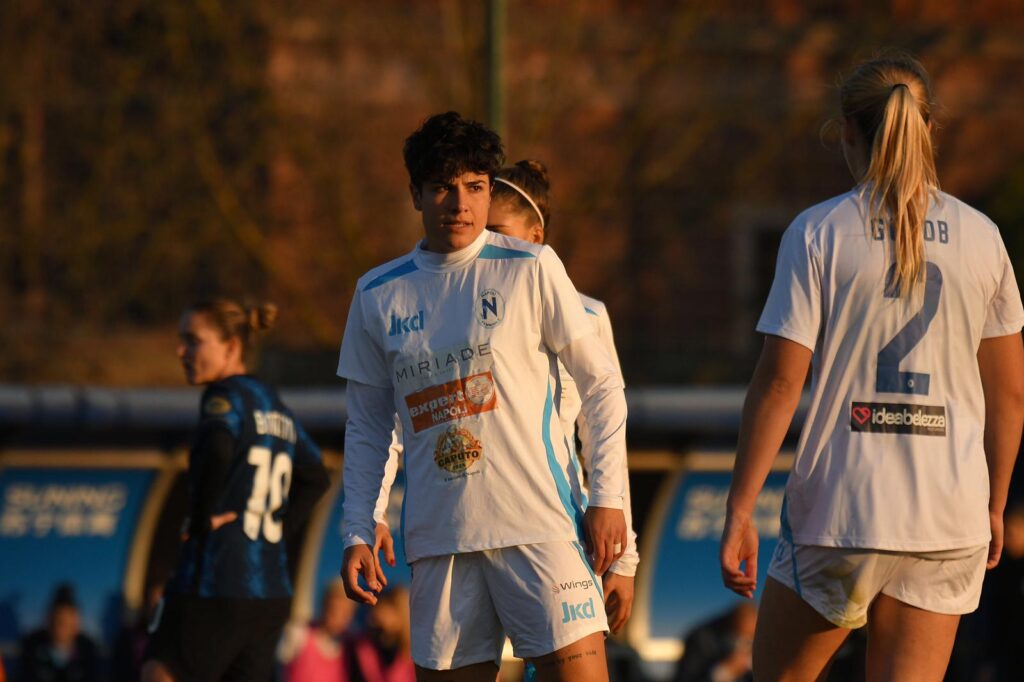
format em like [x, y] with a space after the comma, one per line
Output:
[889, 101]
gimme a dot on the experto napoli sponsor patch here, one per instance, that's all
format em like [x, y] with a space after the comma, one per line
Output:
[451, 401]
[917, 420]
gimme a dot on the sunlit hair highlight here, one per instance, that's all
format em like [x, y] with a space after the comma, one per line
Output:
[447, 145]
[530, 176]
[889, 100]
[232, 320]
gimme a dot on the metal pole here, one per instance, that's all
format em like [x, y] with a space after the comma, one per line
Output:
[495, 47]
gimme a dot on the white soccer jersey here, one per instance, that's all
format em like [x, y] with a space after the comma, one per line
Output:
[568, 406]
[891, 455]
[466, 346]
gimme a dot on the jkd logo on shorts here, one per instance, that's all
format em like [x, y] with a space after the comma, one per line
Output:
[918, 420]
[406, 325]
[454, 400]
[583, 611]
[490, 308]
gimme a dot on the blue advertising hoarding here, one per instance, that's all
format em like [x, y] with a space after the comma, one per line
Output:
[679, 553]
[67, 525]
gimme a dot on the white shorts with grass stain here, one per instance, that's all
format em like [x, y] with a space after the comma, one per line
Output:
[841, 583]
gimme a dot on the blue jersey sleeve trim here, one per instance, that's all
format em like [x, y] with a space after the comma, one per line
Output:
[590, 312]
[574, 511]
[597, 583]
[406, 268]
[492, 252]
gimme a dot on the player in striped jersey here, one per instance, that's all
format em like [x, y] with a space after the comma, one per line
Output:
[906, 301]
[254, 476]
[461, 338]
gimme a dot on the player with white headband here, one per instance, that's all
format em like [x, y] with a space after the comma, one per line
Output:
[519, 208]
[906, 301]
[462, 338]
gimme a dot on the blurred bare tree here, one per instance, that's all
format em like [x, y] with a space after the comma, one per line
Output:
[151, 152]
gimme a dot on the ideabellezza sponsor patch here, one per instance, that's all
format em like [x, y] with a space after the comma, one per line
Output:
[442, 403]
[919, 420]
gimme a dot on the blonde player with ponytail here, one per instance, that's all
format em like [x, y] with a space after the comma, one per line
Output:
[905, 300]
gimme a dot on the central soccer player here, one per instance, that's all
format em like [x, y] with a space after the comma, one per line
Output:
[461, 338]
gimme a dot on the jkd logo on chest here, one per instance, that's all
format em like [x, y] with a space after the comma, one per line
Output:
[583, 611]
[406, 325]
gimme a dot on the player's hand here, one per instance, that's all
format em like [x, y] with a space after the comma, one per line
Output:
[605, 534]
[618, 599]
[995, 546]
[358, 561]
[739, 545]
[383, 541]
[219, 520]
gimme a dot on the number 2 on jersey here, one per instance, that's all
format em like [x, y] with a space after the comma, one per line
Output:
[889, 378]
[270, 487]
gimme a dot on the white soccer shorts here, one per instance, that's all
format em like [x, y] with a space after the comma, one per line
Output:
[543, 596]
[840, 583]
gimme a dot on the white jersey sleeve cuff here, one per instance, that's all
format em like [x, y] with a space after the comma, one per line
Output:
[606, 501]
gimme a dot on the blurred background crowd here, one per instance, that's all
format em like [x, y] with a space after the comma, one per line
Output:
[347, 643]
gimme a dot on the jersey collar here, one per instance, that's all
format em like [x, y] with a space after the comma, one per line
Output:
[443, 262]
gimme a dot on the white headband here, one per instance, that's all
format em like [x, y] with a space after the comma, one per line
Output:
[525, 196]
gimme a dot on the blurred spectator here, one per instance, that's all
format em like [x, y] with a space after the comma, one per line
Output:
[720, 650]
[1003, 600]
[126, 665]
[327, 651]
[389, 659]
[623, 661]
[59, 652]
[317, 651]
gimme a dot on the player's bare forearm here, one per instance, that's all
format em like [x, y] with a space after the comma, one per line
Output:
[771, 401]
[1001, 365]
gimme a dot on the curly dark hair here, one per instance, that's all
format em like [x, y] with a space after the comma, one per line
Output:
[447, 145]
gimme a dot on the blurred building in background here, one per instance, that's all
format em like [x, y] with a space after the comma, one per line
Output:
[151, 152]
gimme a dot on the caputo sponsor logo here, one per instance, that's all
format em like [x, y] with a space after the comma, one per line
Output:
[457, 450]
[918, 420]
